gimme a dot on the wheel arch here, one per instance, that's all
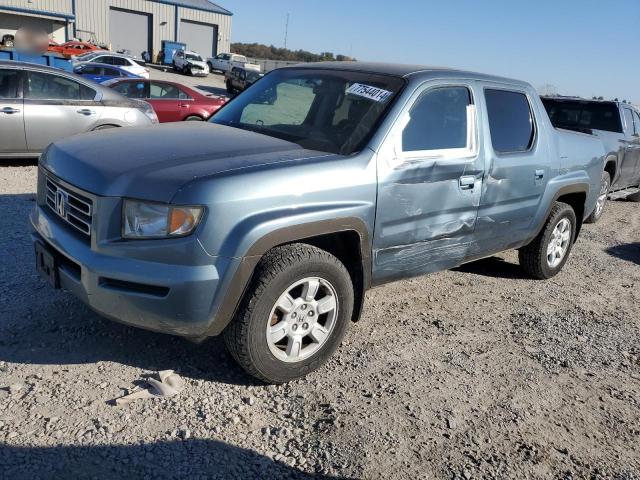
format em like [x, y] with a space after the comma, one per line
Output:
[346, 238]
[611, 167]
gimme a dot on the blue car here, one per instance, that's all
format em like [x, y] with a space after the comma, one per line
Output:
[99, 72]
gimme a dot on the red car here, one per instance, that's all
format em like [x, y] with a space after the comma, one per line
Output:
[171, 101]
[73, 48]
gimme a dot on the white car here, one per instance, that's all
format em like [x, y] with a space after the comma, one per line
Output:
[109, 58]
[226, 61]
[189, 63]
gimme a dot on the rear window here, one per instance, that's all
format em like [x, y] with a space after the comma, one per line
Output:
[510, 121]
[583, 115]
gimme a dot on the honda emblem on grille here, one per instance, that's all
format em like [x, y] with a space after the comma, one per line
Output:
[61, 203]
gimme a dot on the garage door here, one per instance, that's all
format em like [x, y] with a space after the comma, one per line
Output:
[129, 31]
[200, 37]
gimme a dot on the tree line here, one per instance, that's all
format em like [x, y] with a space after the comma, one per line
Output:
[258, 50]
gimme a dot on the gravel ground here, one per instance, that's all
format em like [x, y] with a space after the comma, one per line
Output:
[476, 372]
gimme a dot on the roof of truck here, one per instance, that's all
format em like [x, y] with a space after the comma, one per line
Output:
[401, 70]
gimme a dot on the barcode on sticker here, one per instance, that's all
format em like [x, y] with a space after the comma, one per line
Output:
[372, 93]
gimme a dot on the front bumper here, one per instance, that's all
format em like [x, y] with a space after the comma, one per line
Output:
[161, 296]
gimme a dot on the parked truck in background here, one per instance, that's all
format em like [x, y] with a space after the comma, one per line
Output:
[270, 222]
[617, 124]
[224, 62]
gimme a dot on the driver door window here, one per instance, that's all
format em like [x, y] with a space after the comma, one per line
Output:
[440, 123]
[52, 87]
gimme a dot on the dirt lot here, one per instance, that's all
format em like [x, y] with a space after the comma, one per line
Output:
[471, 373]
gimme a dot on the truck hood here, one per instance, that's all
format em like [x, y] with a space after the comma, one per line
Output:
[152, 163]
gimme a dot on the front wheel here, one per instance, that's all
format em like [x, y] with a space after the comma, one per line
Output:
[545, 256]
[230, 88]
[605, 184]
[294, 314]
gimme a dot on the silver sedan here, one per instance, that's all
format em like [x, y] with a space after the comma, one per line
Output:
[39, 105]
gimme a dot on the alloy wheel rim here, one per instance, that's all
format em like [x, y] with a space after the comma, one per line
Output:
[559, 243]
[302, 319]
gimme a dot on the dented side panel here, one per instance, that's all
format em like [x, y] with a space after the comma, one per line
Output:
[425, 217]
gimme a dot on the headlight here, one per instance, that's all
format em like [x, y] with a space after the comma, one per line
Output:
[157, 220]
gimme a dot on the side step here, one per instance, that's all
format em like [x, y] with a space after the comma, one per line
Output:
[623, 193]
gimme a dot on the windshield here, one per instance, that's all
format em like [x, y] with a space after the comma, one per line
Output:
[581, 115]
[197, 58]
[328, 110]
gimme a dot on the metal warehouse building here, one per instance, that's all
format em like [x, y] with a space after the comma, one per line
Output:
[134, 25]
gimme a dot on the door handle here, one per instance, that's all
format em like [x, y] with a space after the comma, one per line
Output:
[10, 110]
[539, 174]
[183, 105]
[86, 111]
[467, 182]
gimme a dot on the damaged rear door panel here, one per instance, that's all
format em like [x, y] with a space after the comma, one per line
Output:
[519, 165]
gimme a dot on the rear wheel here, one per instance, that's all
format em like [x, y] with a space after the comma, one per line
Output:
[294, 314]
[230, 88]
[187, 71]
[193, 118]
[605, 184]
[545, 256]
[210, 67]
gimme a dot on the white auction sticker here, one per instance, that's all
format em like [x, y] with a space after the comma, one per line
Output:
[372, 93]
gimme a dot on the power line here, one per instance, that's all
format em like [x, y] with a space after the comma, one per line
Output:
[286, 31]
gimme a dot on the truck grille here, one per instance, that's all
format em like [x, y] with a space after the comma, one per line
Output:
[74, 209]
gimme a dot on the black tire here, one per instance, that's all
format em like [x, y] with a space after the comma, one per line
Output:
[210, 67]
[193, 118]
[533, 257]
[605, 185]
[174, 66]
[9, 43]
[230, 88]
[187, 71]
[281, 267]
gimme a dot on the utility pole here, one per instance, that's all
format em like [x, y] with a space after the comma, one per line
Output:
[286, 31]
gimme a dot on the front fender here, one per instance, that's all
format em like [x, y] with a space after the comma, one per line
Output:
[265, 237]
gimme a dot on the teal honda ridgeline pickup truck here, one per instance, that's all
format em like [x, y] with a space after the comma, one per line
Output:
[269, 222]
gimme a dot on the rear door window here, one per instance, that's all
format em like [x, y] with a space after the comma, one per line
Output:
[165, 91]
[628, 120]
[510, 121]
[111, 72]
[636, 123]
[44, 86]
[8, 83]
